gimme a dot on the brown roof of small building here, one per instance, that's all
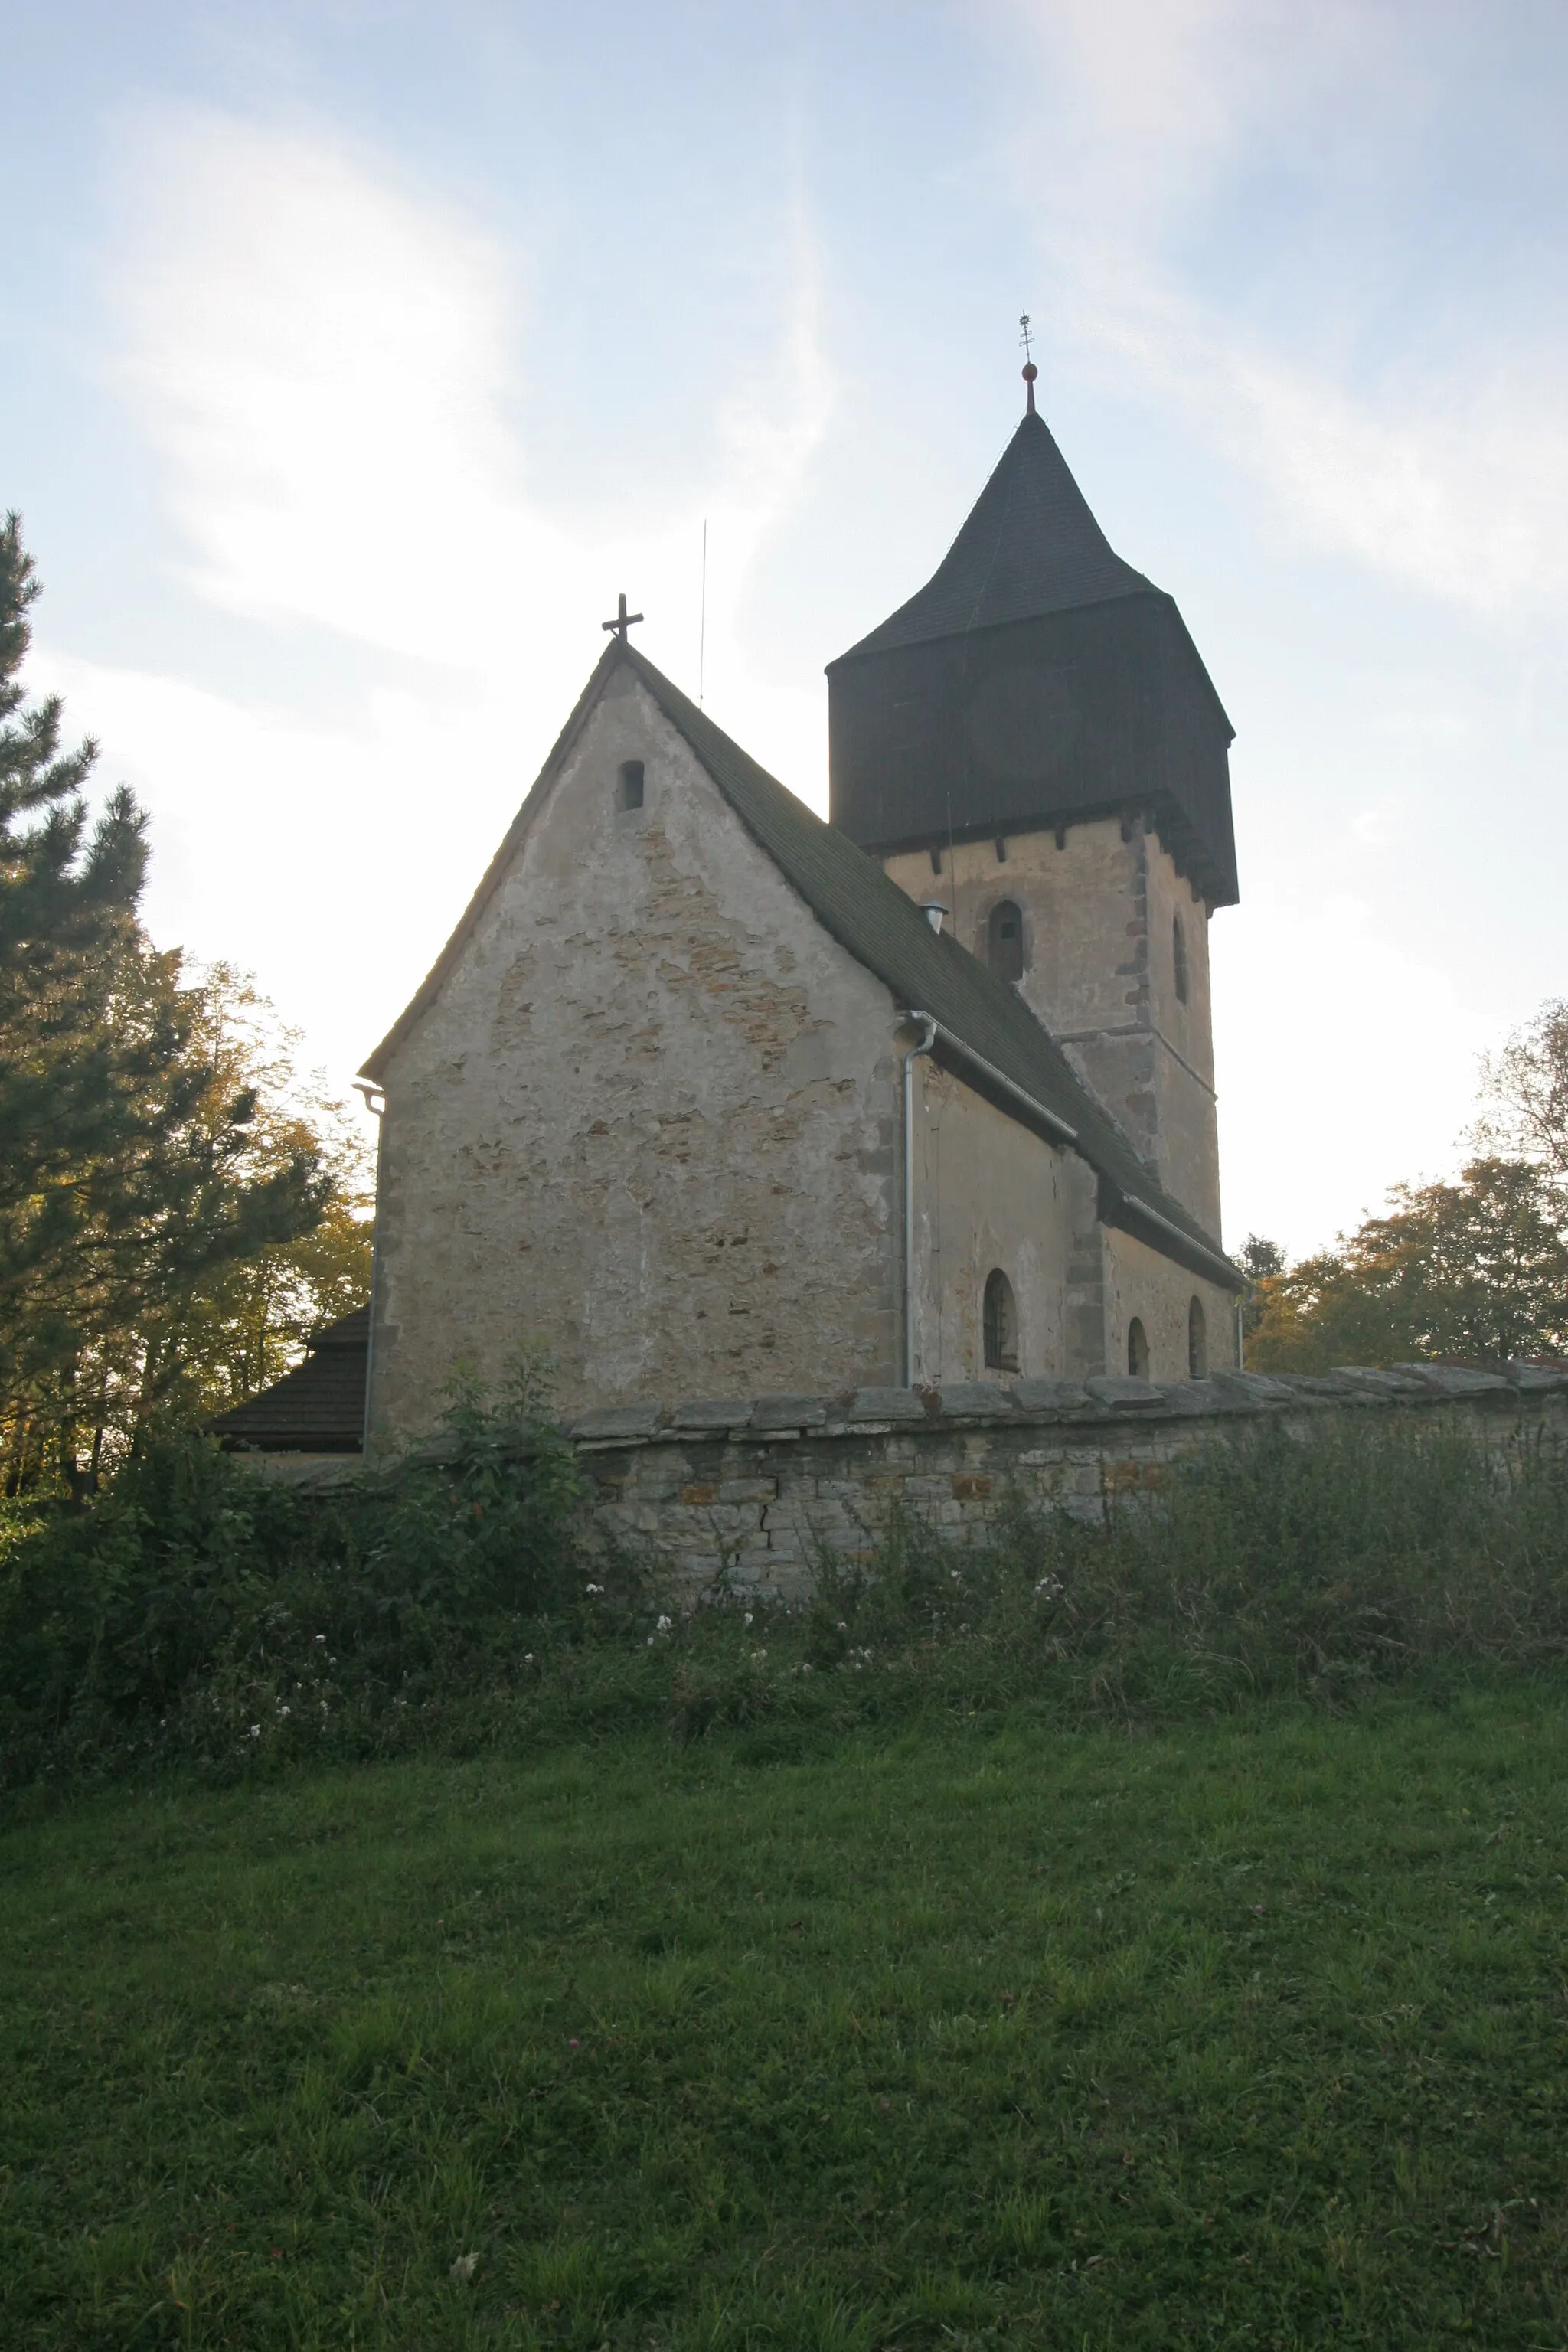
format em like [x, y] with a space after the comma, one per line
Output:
[318, 1407]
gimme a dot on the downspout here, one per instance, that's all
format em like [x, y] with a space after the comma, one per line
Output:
[922, 1045]
[375, 1103]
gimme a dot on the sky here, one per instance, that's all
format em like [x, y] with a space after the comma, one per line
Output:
[357, 355]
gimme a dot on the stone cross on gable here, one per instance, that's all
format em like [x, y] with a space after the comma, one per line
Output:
[622, 620]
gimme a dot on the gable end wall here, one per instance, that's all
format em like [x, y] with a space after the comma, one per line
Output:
[650, 1120]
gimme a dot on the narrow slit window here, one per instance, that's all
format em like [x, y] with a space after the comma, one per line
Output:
[1137, 1350]
[1004, 941]
[629, 784]
[1197, 1342]
[1179, 958]
[1001, 1320]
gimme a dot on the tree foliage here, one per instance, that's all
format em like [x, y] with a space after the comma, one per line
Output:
[1476, 1270]
[1259, 1258]
[167, 1214]
[1524, 1093]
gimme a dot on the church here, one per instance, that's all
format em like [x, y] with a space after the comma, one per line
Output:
[712, 1098]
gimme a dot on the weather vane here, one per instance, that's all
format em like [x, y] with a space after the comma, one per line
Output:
[1030, 370]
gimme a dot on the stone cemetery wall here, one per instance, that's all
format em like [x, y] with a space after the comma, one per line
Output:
[758, 1486]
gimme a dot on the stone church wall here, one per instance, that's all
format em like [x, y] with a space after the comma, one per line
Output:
[1099, 972]
[1140, 1281]
[648, 1088]
[989, 1193]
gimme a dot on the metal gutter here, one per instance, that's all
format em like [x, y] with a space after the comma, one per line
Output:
[1058, 1126]
[1228, 1274]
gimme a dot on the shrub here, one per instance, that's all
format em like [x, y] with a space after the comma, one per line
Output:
[200, 1612]
[192, 1592]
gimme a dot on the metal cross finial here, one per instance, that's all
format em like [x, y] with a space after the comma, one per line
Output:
[1030, 370]
[622, 620]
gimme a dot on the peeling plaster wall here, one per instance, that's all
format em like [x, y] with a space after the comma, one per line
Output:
[1099, 973]
[651, 1117]
[990, 1193]
[1140, 1281]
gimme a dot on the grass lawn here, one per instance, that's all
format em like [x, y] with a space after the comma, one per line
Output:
[1250, 2033]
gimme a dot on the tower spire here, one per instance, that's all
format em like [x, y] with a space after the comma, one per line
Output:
[1030, 370]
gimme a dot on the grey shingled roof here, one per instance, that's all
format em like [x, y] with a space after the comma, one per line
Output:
[318, 1407]
[1030, 546]
[884, 931]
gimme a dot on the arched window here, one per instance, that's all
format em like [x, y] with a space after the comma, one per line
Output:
[1179, 958]
[1197, 1342]
[1001, 1320]
[1137, 1350]
[1004, 941]
[629, 784]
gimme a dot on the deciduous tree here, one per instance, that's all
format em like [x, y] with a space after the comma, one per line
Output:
[1476, 1270]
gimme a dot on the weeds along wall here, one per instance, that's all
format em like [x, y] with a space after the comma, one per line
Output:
[760, 1488]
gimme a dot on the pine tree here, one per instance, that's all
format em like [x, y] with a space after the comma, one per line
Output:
[129, 1179]
[67, 905]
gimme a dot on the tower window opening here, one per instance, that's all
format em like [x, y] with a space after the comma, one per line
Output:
[1197, 1342]
[1005, 941]
[1179, 958]
[629, 784]
[1137, 1350]
[1001, 1322]
[936, 861]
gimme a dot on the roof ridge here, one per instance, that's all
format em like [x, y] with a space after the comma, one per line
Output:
[872, 918]
[881, 927]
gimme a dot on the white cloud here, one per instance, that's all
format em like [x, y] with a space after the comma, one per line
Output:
[1461, 490]
[329, 859]
[1454, 477]
[324, 360]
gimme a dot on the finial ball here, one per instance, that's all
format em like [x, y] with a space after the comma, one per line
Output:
[1030, 372]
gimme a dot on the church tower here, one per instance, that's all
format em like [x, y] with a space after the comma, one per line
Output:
[1034, 742]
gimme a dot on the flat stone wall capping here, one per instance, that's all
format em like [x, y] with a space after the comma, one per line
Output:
[719, 1489]
[759, 1488]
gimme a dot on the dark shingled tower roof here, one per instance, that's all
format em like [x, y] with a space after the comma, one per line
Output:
[1030, 547]
[1035, 680]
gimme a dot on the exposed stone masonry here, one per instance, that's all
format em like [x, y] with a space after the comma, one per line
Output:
[760, 1485]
